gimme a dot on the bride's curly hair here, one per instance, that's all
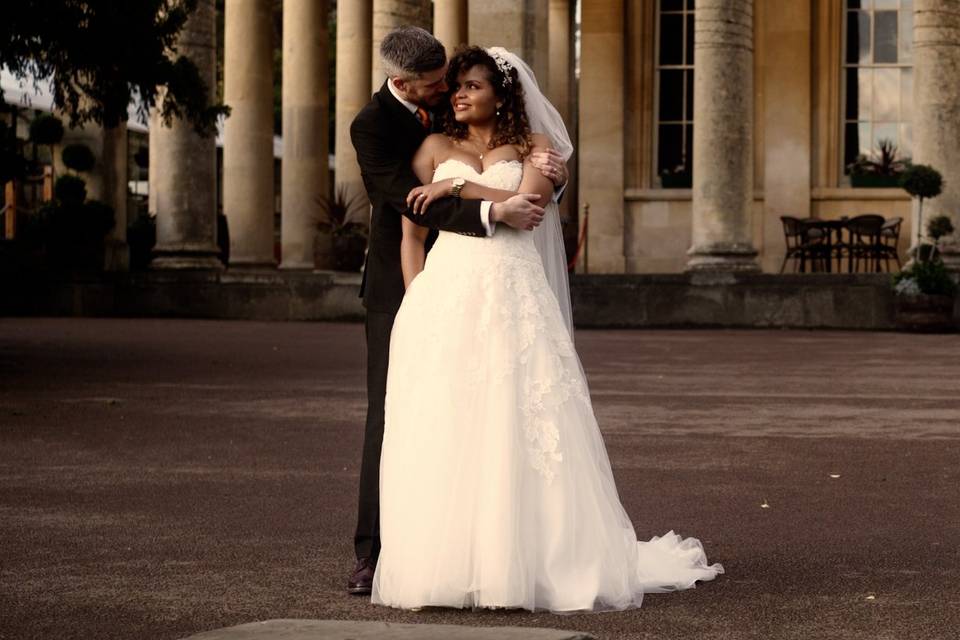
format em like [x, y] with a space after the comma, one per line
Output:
[512, 124]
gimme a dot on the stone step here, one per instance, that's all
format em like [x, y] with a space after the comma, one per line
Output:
[289, 629]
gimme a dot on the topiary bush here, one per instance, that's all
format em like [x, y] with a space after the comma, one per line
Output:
[46, 129]
[938, 227]
[70, 190]
[78, 157]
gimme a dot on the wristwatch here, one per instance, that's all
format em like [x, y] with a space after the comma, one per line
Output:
[457, 187]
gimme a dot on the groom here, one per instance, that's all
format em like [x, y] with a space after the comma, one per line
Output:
[386, 134]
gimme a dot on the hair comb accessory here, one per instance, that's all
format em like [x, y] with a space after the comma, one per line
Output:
[502, 64]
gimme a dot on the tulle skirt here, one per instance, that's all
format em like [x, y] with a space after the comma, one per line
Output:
[495, 485]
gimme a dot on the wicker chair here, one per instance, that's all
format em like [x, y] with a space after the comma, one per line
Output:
[803, 245]
[865, 242]
[890, 238]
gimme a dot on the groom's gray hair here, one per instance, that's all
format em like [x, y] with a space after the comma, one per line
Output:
[408, 52]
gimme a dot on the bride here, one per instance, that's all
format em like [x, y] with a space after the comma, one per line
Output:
[495, 486]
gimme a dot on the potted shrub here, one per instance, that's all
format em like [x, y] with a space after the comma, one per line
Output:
[74, 227]
[349, 239]
[925, 290]
[882, 170]
[141, 238]
[676, 178]
[922, 181]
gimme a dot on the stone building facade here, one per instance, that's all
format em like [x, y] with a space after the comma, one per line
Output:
[698, 123]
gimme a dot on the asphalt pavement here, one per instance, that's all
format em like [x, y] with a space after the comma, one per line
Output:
[161, 478]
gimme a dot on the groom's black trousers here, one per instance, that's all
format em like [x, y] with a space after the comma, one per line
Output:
[366, 540]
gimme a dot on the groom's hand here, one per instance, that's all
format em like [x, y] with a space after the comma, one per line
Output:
[552, 165]
[519, 211]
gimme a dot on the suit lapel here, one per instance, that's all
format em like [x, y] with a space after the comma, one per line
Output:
[401, 115]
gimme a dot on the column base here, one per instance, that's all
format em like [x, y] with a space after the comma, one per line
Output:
[741, 258]
[194, 257]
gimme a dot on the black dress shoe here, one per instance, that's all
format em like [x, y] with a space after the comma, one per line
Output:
[361, 582]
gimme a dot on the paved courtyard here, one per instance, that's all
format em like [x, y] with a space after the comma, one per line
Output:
[159, 478]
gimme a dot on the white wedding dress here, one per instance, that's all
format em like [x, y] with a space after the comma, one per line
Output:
[495, 486]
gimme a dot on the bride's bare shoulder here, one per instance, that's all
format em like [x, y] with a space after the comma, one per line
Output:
[437, 141]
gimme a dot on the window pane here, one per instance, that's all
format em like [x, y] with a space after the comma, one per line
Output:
[906, 95]
[886, 4]
[688, 115]
[671, 5]
[689, 38]
[885, 131]
[688, 147]
[854, 133]
[886, 94]
[671, 94]
[858, 4]
[859, 94]
[852, 111]
[906, 140]
[691, 4]
[671, 38]
[858, 37]
[905, 52]
[885, 37]
[669, 147]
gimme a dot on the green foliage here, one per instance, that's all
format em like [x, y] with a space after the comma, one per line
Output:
[931, 277]
[939, 226]
[70, 190]
[883, 162]
[922, 181]
[78, 157]
[46, 129]
[97, 54]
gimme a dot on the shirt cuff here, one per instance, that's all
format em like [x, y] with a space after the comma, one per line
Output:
[488, 226]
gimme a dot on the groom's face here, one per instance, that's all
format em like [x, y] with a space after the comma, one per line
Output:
[426, 91]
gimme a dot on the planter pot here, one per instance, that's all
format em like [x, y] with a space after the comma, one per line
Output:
[925, 313]
[870, 180]
[676, 181]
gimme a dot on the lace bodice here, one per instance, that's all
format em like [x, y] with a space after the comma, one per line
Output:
[506, 242]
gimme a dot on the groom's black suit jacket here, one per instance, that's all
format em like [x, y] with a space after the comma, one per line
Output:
[386, 136]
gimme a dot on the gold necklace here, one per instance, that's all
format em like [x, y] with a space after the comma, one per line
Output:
[474, 145]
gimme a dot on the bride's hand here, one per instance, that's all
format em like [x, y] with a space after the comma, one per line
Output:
[421, 197]
[551, 165]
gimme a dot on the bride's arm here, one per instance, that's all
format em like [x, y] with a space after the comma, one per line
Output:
[413, 253]
[533, 180]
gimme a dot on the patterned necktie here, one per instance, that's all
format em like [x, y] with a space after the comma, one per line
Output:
[423, 117]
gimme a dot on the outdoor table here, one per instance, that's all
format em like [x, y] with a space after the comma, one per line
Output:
[832, 233]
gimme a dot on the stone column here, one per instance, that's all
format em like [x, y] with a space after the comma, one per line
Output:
[450, 23]
[558, 59]
[936, 111]
[354, 24]
[183, 166]
[787, 118]
[304, 181]
[601, 132]
[723, 137]
[248, 132]
[520, 26]
[388, 15]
